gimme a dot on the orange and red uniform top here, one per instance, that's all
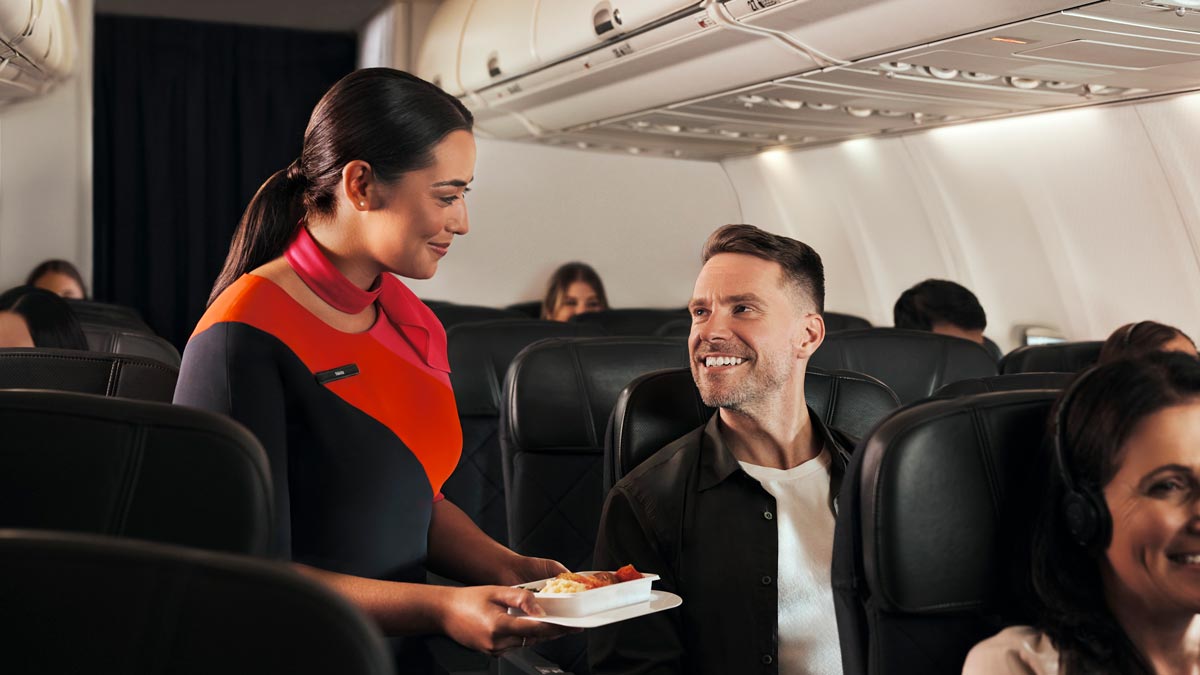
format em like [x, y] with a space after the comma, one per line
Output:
[360, 429]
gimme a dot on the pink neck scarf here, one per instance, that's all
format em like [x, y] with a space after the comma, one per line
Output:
[411, 318]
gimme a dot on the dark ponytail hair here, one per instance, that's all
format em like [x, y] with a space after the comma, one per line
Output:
[562, 278]
[387, 118]
[1102, 414]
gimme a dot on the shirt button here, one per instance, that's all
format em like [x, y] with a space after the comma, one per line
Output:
[768, 515]
[766, 581]
[767, 660]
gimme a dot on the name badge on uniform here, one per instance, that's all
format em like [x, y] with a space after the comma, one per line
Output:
[339, 373]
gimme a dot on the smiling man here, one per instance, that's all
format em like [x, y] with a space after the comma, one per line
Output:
[737, 516]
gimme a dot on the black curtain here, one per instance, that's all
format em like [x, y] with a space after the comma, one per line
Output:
[190, 118]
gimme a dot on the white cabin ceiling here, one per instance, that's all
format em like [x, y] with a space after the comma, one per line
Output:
[1089, 54]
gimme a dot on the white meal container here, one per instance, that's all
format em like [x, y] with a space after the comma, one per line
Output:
[595, 600]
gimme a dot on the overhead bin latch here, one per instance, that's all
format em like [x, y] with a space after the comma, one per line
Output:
[605, 19]
[493, 64]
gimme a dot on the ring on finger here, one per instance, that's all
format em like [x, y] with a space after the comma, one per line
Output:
[524, 640]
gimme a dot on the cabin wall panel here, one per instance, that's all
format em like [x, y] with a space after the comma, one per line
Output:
[640, 221]
[1081, 219]
[46, 171]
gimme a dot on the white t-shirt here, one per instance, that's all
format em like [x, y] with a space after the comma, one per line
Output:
[808, 637]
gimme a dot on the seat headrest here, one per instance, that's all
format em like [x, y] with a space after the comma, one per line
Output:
[913, 363]
[173, 609]
[559, 392]
[1014, 382]
[118, 316]
[659, 407]
[947, 495]
[531, 309]
[633, 321]
[481, 352]
[88, 373]
[119, 340]
[451, 314]
[675, 328]
[839, 322]
[130, 468]
[1064, 357]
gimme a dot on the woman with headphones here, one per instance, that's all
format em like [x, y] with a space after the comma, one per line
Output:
[1116, 558]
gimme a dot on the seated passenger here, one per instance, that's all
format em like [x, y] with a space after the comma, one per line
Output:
[1145, 337]
[32, 317]
[1115, 557]
[574, 288]
[941, 307]
[737, 516]
[59, 277]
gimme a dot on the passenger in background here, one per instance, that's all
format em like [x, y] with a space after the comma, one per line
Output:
[32, 317]
[737, 516]
[1116, 555]
[1145, 337]
[941, 307]
[60, 277]
[342, 374]
[574, 288]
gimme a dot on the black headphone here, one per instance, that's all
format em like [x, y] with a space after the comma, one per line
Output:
[1083, 507]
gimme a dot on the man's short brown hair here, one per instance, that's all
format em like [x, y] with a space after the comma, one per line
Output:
[801, 264]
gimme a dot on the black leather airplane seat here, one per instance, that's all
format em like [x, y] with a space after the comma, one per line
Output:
[912, 363]
[89, 604]
[118, 340]
[836, 322]
[659, 407]
[88, 373]
[479, 357]
[931, 545]
[132, 469]
[1063, 357]
[632, 321]
[452, 314]
[531, 309]
[558, 396]
[1013, 382]
[118, 316]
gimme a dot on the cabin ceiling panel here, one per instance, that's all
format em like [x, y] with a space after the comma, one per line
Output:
[316, 15]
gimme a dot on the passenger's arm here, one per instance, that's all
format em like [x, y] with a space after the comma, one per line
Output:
[476, 616]
[459, 550]
[648, 644]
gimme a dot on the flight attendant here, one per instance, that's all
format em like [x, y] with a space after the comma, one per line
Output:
[341, 372]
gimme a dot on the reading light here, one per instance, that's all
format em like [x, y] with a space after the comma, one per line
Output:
[859, 112]
[892, 113]
[1102, 89]
[670, 128]
[820, 106]
[635, 151]
[583, 145]
[979, 77]
[729, 133]
[640, 124]
[786, 103]
[896, 66]
[699, 130]
[751, 99]
[1061, 85]
[1023, 82]
[943, 73]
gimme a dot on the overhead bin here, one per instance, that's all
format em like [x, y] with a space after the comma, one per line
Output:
[438, 58]
[497, 43]
[815, 71]
[566, 27]
[38, 41]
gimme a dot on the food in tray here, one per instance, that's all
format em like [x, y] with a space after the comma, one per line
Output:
[571, 582]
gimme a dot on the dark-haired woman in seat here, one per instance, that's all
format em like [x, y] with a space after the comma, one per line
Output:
[59, 277]
[341, 372]
[574, 288]
[1145, 337]
[32, 317]
[1116, 563]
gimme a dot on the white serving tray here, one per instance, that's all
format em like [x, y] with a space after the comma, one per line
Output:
[659, 601]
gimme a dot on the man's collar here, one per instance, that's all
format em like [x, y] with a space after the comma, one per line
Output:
[717, 463]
